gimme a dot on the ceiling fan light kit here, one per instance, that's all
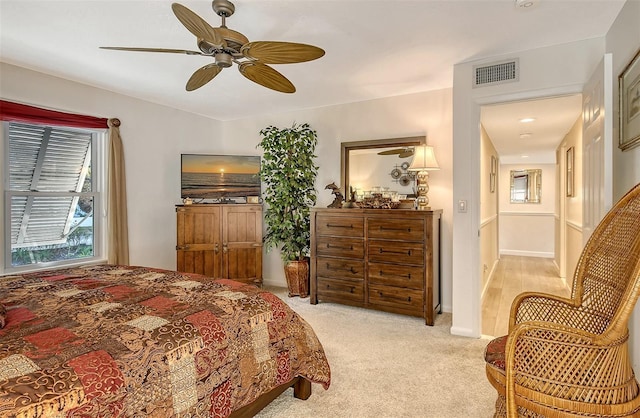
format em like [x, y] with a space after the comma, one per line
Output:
[227, 47]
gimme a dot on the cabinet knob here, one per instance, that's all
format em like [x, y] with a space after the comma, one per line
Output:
[217, 248]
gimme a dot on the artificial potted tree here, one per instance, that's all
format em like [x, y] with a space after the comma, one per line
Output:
[289, 173]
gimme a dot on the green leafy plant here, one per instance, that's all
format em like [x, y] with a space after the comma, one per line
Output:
[289, 172]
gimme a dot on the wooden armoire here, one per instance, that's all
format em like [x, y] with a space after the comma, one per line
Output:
[221, 241]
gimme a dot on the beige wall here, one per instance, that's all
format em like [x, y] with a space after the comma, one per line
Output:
[572, 205]
[623, 41]
[527, 229]
[488, 210]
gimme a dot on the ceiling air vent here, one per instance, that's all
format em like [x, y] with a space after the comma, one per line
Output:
[496, 73]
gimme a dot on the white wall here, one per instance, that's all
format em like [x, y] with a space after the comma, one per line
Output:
[528, 229]
[623, 41]
[554, 70]
[153, 136]
[418, 114]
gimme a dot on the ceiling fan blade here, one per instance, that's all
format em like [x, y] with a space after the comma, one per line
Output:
[202, 76]
[269, 52]
[391, 151]
[406, 154]
[174, 51]
[266, 76]
[197, 25]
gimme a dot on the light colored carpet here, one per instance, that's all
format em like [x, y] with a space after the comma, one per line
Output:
[386, 365]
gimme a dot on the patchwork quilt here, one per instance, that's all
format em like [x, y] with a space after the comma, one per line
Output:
[112, 341]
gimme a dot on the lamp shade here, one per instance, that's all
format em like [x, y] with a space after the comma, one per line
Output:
[424, 159]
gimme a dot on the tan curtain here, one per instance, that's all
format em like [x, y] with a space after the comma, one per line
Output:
[118, 233]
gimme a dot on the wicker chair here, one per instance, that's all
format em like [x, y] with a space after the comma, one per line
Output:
[569, 357]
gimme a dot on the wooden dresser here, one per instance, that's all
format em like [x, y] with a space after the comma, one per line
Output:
[221, 241]
[386, 259]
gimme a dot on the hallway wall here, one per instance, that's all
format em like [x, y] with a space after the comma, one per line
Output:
[527, 229]
[488, 208]
[573, 204]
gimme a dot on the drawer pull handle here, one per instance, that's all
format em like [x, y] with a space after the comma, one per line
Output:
[408, 275]
[337, 268]
[408, 252]
[408, 298]
[382, 228]
[339, 226]
[351, 289]
[340, 247]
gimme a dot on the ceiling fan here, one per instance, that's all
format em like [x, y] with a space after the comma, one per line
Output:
[402, 152]
[227, 46]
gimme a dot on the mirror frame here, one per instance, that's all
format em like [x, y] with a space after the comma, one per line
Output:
[536, 172]
[346, 147]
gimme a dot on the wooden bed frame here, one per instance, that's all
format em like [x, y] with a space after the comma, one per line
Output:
[301, 390]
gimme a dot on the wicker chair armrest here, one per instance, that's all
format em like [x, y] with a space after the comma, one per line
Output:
[530, 306]
[541, 357]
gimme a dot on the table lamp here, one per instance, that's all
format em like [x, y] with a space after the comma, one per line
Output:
[424, 160]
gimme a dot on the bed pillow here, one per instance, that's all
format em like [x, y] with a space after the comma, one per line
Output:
[3, 315]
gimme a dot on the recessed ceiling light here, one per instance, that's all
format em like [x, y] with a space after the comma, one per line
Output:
[524, 4]
[527, 120]
[526, 135]
[524, 156]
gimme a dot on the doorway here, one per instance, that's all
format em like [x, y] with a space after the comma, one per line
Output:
[522, 247]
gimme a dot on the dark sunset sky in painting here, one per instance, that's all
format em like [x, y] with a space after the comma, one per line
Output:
[194, 163]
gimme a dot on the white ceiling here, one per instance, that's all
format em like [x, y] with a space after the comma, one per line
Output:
[373, 49]
[530, 142]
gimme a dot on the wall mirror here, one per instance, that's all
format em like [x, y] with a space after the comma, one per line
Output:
[526, 186]
[353, 176]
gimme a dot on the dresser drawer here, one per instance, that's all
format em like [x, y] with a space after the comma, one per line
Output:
[340, 247]
[396, 229]
[410, 277]
[396, 297]
[340, 268]
[396, 252]
[341, 289]
[341, 226]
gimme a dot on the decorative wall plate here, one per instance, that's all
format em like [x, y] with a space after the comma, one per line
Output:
[396, 173]
[404, 180]
[405, 165]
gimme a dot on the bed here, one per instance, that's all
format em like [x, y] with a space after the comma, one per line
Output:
[108, 341]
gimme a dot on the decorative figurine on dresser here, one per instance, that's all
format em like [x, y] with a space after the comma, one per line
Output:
[385, 259]
[337, 193]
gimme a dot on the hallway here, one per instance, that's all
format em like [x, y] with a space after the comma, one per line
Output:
[514, 275]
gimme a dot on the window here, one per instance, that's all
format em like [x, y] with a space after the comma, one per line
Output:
[52, 195]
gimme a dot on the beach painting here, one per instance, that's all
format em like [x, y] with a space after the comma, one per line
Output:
[219, 176]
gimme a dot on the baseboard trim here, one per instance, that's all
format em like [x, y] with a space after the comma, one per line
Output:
[574, 225]
[541, 254]
[489, 278]
[464, 332]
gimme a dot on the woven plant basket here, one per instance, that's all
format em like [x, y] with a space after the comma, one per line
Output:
[297, 274]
